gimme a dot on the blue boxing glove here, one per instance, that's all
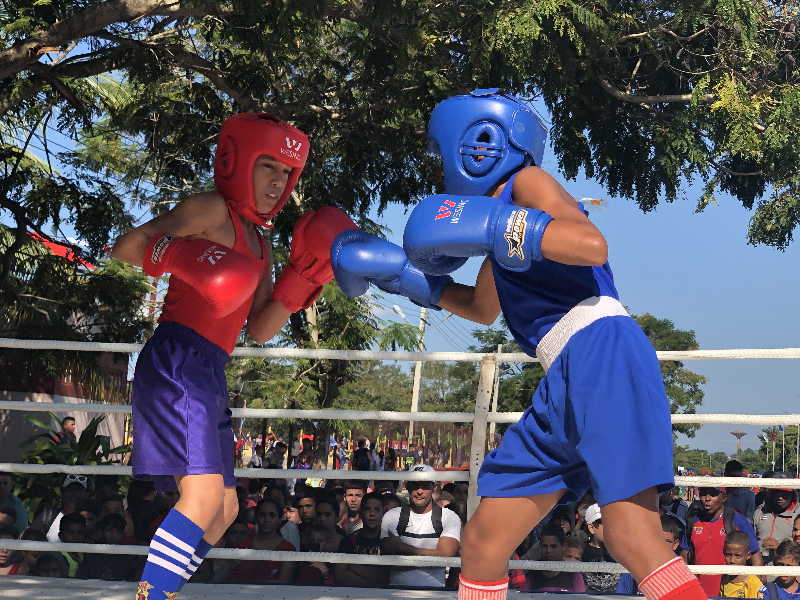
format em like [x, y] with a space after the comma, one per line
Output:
[444, 230]
[359, 258]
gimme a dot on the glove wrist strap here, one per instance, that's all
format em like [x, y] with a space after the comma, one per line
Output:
[294, 291]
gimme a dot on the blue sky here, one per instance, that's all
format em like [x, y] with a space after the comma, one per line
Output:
[696, 270]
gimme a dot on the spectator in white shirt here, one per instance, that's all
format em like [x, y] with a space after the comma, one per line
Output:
[421, 529]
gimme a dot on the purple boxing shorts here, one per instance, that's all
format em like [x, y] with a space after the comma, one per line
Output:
[181, 419]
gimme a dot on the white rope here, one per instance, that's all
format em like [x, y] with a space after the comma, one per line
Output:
[386, 559]
[677, 419]
[261, 413]
[694, 481]
[251, 473]
[691, 481]
[518, 357]
[385, 415]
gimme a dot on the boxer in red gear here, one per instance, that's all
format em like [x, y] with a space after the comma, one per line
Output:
[221, 278]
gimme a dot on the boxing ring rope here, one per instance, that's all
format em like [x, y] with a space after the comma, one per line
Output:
[388, 559]
[396, 416]
[479, 419]
[516, 357]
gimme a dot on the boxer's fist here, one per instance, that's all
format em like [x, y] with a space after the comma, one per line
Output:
[360, 258]
[223, 277]
[444, 230]
[309, 266]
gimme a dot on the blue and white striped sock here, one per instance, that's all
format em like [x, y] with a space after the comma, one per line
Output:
[203, 547]
[171, 551]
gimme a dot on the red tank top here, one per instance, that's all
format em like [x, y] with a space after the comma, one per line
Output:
[185, 306]
[708, 538]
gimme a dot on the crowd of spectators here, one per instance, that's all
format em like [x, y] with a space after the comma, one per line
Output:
[716, 526]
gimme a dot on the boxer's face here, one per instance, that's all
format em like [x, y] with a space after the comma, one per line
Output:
[269, 180]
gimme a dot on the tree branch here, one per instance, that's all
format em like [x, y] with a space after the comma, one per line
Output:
[688, 38]
[664, 99]
[736, 173]
[26, 52]
[114, 59]
[189, 60]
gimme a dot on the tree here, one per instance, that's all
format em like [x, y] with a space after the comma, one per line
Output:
[684, 387]
[339, 323]
[122, 100]
[642, 97]
[518, 382]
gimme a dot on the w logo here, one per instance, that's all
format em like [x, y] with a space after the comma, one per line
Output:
[294, 145]
[445, 210]
[212, 255]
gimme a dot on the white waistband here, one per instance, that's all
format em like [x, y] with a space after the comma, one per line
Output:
[579, 316]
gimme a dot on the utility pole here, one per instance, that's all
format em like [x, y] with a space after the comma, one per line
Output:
[423, 320]
[495, 395]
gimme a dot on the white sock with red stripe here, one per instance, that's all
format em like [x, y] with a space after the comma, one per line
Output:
[482, 590]
[672, 581]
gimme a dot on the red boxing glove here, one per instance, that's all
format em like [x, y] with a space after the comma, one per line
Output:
[225, 278]
[309, 265]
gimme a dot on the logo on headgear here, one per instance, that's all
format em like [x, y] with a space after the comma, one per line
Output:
[444, 211]
[292, 149]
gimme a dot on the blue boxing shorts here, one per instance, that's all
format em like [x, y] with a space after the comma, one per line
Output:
[181, 419]
[598, 420]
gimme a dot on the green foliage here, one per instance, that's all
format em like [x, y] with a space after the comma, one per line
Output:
[702, 461]
[91, 448]
[684, 388]
[49, 297]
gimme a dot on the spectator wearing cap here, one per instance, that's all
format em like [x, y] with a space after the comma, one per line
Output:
[9, 501]
[74, 491]
[741, 499]
[715, 521]
[421, 529]
[774, 519]
[595, 551]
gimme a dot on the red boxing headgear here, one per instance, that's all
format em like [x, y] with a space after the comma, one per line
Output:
[243, 138]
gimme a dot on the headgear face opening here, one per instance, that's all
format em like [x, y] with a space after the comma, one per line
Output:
[243, 138]
[483, 137]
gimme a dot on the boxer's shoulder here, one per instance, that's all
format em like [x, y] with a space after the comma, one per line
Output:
[202, 215]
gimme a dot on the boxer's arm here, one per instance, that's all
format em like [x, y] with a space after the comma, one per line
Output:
[479, 303]
[570, 238]
[193, 216]
[267, 316]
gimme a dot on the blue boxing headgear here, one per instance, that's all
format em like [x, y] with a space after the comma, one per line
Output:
[483, 137]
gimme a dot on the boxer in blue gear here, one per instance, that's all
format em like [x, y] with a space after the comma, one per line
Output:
[599, 419]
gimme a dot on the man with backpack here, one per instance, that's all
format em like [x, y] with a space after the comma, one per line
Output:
[421, 529]
[708, 530]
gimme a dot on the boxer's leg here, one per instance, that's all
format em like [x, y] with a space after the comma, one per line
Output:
[486, 548]
[661, 574]
[178, 536]
[223, 520]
